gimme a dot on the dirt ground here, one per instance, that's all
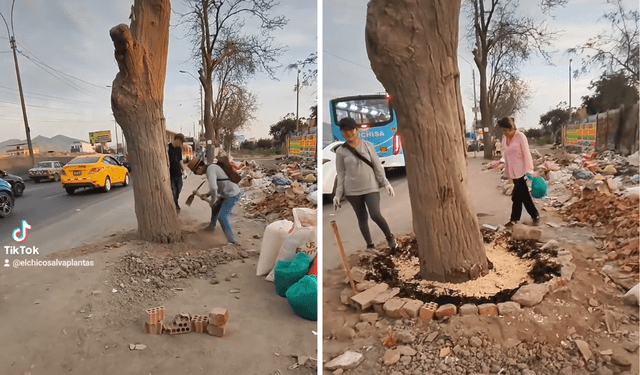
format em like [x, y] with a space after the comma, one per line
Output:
[539, 340]
[81, 320]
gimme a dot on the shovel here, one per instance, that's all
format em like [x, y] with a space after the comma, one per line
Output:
[192, 196]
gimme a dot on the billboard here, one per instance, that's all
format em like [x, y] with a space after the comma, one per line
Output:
[103, 136]
[303, 145]
[581, 135]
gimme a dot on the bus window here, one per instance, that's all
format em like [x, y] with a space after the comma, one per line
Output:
[371, 111]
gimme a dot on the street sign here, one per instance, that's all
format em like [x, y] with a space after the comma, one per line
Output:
[103, 136]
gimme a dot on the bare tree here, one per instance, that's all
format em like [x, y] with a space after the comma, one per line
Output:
[308, 78]
[137, 97]
[509, 98]
[615, 50]
[239, 110]
[218, 30]
[496, 29]
[412, 47]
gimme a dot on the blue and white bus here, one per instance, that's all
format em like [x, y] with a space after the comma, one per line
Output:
[377, 121]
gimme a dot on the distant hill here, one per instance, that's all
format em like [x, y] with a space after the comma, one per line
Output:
[59, 143]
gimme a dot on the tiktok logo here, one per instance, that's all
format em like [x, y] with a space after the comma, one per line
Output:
[20, 234]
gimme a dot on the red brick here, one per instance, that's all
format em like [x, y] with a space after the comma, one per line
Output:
[176, 329]
[200, 323]
[215, 330]
[219, 316]
[155, 315]
[428, 310]
[446, 310]
[153, 329]
[488, 309]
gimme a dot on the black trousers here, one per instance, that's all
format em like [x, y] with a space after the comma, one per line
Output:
[521, 197]
[370, 202]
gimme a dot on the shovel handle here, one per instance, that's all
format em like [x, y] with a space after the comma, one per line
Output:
[343, 256]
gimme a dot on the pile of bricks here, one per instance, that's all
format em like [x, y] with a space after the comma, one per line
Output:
[214, 323]
[280, 204]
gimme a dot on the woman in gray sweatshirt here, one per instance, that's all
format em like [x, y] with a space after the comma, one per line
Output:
[360, 176]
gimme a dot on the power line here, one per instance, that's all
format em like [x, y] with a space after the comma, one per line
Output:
[61, 79]
[48, 96]
[343, 59]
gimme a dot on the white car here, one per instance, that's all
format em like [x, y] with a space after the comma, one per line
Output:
[329, 174]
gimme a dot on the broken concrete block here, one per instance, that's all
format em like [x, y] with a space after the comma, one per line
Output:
[218, 316]
[468, 309]
[385, 296]
[509, 308]
[631, 297]
[550, 245]
[367, 284]
[358, 274]
[446, 310]
[215, 330]
[369, 317]
[363, 300]
[567, 270]
[584, 349]
[530, 295]
[427, 311]
[523, 232]
[346, 294]
[345, 333]
[393, 308]
[488, 309]
[346, 361]
[391, 357]
[412, 308]
[379, 309]
[153, 329]
[406, 350]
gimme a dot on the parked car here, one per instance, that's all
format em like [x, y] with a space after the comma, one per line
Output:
[46, 170]
[16, 182]
[123, 160]
[93, 171]
[329, 173]
[6, 199]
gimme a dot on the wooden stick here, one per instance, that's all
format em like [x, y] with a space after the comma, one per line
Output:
[343, 256]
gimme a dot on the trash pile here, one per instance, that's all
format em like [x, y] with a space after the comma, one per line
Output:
[289, 185]
[288, 257]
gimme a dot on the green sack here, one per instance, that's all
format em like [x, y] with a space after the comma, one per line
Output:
[538, 186]
[303, 297]
[289, 272]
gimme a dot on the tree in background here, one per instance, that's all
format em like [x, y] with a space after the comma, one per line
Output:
[308, 78]
[282, 128]
[137, 98]
[240, 108]
[264, 143]
[616, 50]
[553, 121]
[218, 30]
[610, 92]
[512, 97]
[502, 41]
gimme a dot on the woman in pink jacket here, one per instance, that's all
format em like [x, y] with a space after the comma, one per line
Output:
[518, 163]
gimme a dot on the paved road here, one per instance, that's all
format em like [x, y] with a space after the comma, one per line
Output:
[59, 220]
[490, 204]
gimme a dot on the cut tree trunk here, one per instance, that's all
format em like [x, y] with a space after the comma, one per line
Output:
[413, 47]
[137, 102]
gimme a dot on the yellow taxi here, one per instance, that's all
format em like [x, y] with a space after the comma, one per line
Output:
[93, 171]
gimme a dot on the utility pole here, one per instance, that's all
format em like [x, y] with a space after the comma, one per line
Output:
[12, 42]
[115, 126]
[475, 114]
[297, 101]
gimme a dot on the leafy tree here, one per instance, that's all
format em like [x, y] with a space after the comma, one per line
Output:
[611, 92]
[248, 145]
[615, 50]
[264, 143]
[533, 133]
[284, 127]
[554, 119]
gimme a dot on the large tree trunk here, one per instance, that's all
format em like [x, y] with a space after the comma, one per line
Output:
[487, 128]
[137, 103]
[412, 46]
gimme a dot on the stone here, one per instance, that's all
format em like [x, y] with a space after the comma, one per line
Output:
[362, 326]
[468, 309]
[369, 317]
[621, 360]
[631, 297]
[604, 371]
[508, 308]
[475, 342]
[406, 350]
[446, 310]
[631, 346]
[432, 336]
[610, 321]
[368, 284]
[393, 308]
[612, 255]
[564, 256]
[363, 300]
[345, 295]
[488, 309]
[391, 357]
[530, 294]
[567, 370]
[567, 270]
[345, 334]
[444, 352]
[550, 245]
[524, 232]
[528, 372]
[593, 302]
[584, 349]
[346, 361]
[405, 360]
[358, 274]
[405, 337]
[412, 308]
[385, 296]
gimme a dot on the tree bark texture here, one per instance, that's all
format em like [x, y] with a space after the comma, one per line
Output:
[412, 46]
[137, 102]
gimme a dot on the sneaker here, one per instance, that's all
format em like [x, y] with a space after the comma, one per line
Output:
[209, 228]
[510, 224]
[536, 221]
[391, 241]
[371, 246]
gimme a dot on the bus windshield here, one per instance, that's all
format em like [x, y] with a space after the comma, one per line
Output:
[373, 111]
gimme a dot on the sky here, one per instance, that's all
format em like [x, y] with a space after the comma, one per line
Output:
[66, 63]
[347, 71]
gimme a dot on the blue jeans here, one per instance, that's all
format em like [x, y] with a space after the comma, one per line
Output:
[221, 211]
[176, 188]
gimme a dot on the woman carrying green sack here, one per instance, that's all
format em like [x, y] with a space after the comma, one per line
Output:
[517, 164]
